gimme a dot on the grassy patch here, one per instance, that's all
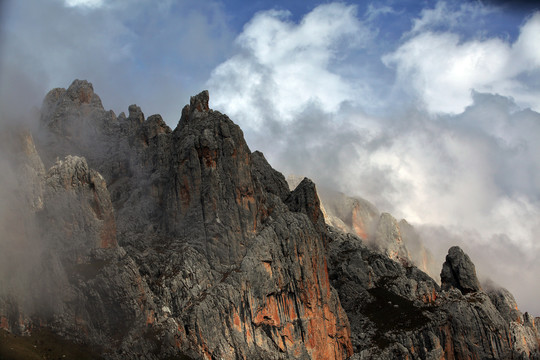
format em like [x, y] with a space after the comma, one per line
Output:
[91, 269]
[42, 344]
[390, 312]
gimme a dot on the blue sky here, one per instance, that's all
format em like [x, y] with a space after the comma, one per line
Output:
[429, 109]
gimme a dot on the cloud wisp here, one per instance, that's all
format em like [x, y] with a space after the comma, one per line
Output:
[442, 69]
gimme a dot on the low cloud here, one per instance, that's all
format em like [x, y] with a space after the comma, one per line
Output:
[132, 51]
[441, 68]
[283, 67]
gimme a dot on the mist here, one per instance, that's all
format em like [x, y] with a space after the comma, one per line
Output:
[135, 53]
[26, 281]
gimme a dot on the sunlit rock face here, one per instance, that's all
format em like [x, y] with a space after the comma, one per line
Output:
[197, 242]
[398, 240]
[146, 242]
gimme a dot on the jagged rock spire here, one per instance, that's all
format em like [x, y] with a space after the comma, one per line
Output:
[459, 272]
[199, 102]
[198, 105]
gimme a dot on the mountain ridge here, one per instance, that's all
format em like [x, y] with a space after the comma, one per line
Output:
[183, 242]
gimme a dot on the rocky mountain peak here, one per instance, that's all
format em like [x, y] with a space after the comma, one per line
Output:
[82, 91]
[458, 272]
[199, 102]
[388, 238]
[135, 114]
[304, 199]
[185, 244]
[198, 107]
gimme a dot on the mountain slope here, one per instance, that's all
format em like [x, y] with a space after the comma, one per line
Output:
[151, 243]
[398, 240]
[211, 261]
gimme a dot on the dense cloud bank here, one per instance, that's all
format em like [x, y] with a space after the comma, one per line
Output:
[460, 159]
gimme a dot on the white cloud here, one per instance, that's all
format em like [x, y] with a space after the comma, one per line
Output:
[448, 16]
[443, 69]
[84, 3]
[469, 165]
[476, 170]
[283, 66]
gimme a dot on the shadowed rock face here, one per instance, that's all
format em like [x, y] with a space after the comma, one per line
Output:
[157, 243]
[186, 232]
[458, 272]
[398, 312]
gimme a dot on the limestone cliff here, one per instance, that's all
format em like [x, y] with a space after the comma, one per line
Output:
[398, 240]
[398, 312]
[181, 238]
[148, 242]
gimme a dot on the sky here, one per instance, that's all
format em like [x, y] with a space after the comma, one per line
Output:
[428, 109]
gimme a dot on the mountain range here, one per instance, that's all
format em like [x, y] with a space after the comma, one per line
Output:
[137, 241]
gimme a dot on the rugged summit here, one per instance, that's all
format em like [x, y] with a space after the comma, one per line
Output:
[398, 312]
[398, 240]
[154, 243]
[210, 262]
[458, 272]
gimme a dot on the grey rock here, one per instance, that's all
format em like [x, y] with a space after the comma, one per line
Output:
[388, 238]
[304, 199]
[354, 215]
[274, 182]
[381, 231]
[204, 258]
[397, 311]
[506, 304]
[458, 271]
[160, 243]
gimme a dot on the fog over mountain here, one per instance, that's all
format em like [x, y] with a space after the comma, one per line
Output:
[430, 112]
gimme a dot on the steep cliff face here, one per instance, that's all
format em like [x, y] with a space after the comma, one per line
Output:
[398, 312]
[398, 240]
[72, 277]
[155, 243]
[184, 238]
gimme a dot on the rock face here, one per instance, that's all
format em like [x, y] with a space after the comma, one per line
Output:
[182, 238]
[398, 312]
[153, 243]
[388, 238]
[398, 240]
[458, 272]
